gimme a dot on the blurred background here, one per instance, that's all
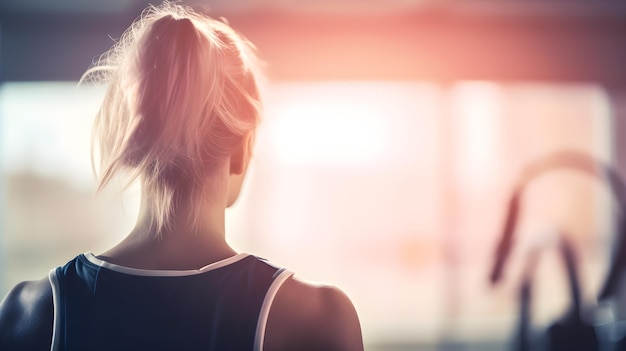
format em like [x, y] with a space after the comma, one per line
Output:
[394, 133]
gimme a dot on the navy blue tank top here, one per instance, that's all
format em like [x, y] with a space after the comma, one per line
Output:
[103, 306]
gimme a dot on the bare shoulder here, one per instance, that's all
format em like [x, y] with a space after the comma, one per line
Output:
[26, 316]
[306, 316]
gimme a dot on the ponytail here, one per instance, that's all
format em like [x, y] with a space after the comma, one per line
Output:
[182, 95]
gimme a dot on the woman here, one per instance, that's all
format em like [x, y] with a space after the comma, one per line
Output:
[179, 116]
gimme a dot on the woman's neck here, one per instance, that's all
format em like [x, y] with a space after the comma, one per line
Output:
[182, 245]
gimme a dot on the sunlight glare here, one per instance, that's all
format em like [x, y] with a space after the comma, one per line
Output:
[329, 128]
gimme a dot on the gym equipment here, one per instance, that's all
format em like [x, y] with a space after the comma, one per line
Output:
[572, 332]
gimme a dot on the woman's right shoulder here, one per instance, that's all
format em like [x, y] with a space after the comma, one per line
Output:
[26, 316]
[306, 316]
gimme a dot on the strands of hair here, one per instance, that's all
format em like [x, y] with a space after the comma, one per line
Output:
[182, 94]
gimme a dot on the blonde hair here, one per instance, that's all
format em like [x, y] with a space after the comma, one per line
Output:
[182, 95]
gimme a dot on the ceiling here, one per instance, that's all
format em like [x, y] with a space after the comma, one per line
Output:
[442, 40]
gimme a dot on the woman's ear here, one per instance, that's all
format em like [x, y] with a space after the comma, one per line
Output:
[241, 157]
[239, 161]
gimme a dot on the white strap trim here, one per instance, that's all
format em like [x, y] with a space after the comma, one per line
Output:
[160, 272]
[259, 337]
[56, 296]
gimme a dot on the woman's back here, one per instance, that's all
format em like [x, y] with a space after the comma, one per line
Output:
[220, 306]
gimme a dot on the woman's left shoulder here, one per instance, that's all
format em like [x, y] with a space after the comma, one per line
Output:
[26, 316]
[307, 316]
